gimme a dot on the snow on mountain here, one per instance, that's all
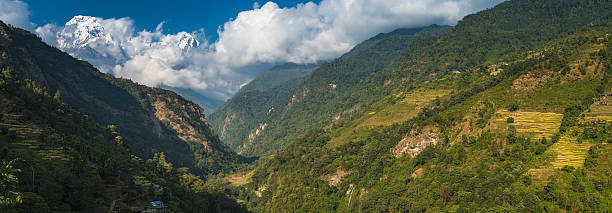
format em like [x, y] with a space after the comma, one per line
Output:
[109, 43]
[82, 31]
[182, 40]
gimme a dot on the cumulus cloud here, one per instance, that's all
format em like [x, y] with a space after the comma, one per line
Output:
[16, 13]
[267, 34]
[311, 32]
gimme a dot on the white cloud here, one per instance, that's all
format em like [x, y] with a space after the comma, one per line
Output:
[311, 32]
[16, 13]
[267, 34]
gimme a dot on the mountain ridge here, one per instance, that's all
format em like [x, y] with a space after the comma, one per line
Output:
[121, 102]
[335, 77]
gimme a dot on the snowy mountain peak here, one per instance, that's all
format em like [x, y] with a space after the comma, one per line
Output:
[181, 40]
[81, 31]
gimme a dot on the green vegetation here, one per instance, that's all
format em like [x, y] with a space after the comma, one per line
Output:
[548, 159]
[55, 159]
[321, 97]
[506, 112]
[258, 103]
[150, 120]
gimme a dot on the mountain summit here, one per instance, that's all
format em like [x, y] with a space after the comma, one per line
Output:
[105, 44]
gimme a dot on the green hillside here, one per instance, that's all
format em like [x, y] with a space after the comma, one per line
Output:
[151, 120]
[489, 37]
[54, 159]
[504, 113]
[455, 155]
[243, 117]
[312, 104]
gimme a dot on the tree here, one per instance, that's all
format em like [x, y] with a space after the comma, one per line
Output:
[119, 140]
[57, 97]
[159, 163]
[513, 107]
[9, 195]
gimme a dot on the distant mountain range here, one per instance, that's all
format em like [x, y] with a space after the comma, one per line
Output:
[86, 38]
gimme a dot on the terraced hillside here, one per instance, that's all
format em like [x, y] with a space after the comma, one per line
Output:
[461, 152]
[536, 125]
[569, 152]
[391, 110]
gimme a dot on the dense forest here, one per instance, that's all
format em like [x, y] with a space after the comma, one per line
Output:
[246, 115]
[54, 159]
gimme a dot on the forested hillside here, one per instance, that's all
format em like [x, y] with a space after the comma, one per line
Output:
[151, 120]
[473, 120]
[534, 137]
[493, 36]
[246, 115]
[333, 79]
[54, 159]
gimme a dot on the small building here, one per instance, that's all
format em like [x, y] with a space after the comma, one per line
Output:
[155, 206]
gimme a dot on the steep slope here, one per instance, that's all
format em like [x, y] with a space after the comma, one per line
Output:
[530, 138]
[489, 37]
[313, 101]
[54, 159]
[247, 114]
[91, 39]
[515, 129]
[151, 120]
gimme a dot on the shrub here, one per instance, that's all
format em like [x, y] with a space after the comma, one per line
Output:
[568, 169]
[510, 120]
[513, 107]
[540, 149]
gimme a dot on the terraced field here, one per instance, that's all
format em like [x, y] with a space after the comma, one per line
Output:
[239, 179]
[26, 138]
[601, 109]
[536, 125]
[407, 107]
[384, 113]
[569, 152]
[566, 152]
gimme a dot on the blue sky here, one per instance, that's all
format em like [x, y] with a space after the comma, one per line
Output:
[251, 40]
[183, 15]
